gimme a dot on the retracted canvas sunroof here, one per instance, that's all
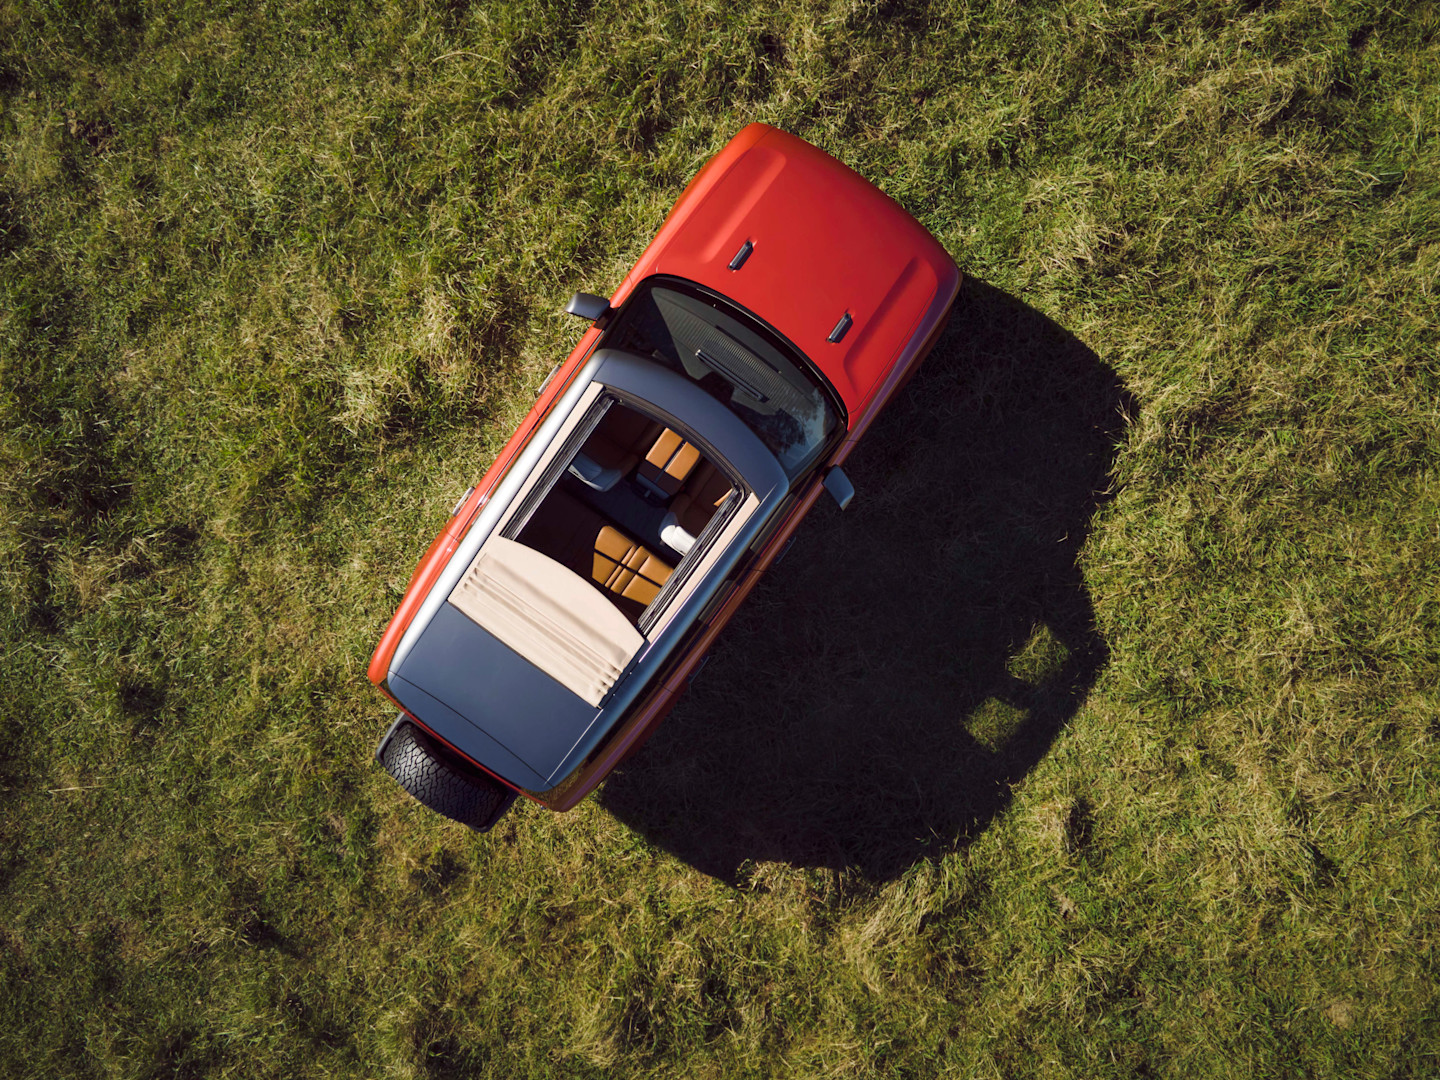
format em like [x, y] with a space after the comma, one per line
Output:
[550, 615]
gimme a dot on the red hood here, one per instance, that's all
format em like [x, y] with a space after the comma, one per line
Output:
[826, 243]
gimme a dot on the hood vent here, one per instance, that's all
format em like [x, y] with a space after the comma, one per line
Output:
[841, 329]
[741, 255]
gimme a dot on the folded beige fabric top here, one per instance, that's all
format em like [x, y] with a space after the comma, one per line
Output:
[548, 614]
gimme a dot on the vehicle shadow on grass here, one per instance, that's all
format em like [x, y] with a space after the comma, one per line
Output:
[913, 658]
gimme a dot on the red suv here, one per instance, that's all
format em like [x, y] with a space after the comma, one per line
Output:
[665, 465]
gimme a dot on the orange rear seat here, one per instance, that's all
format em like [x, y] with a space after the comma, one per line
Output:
[627, 568]
[577, 537]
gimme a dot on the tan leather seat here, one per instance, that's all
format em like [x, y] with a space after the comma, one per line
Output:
[669, 462]
[626, 568]
[576, 536]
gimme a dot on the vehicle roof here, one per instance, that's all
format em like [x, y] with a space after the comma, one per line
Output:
[481, 695]
[826, 242]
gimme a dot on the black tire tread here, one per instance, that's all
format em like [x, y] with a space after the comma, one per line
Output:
[412, 758]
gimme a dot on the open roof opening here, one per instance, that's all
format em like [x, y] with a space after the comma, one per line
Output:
[628, 508]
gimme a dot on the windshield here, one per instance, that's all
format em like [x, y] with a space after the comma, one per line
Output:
[690, 333]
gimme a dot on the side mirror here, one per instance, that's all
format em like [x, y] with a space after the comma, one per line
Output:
[839, 487]
[588, 306]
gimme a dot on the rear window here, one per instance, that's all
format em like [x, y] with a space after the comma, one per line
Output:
[737, 363]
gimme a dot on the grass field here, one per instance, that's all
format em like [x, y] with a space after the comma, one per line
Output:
[1117, 757]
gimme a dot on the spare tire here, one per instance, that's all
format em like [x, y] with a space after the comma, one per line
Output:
[426, 772]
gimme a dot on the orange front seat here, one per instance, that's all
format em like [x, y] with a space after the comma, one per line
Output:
[668, 462]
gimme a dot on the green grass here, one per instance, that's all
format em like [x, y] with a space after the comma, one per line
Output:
[1099, 738]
